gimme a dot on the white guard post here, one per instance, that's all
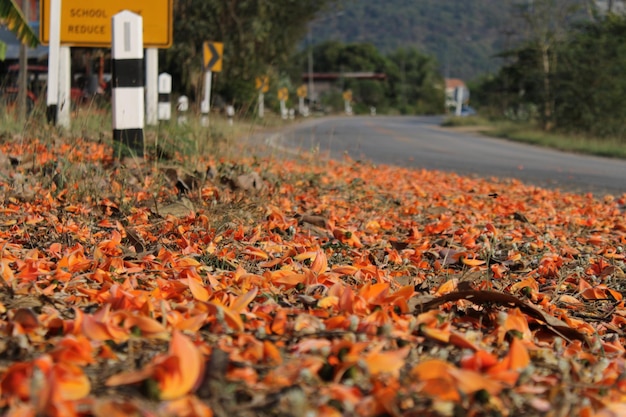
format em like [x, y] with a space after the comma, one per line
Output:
[165, 90]
[152, 73]
[52, 99]
[230, 112]
[261, 105]
[205, 106]
[128, 81]
[182, 107]
[301, 105]
[348, 107]
[65, 87]
[283, 110]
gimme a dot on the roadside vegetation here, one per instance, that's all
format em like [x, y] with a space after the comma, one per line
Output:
[532, 134]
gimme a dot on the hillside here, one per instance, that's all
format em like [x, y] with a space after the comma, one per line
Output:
[463, 35]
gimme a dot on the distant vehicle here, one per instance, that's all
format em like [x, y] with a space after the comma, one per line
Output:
[37, 82]
[467, 111]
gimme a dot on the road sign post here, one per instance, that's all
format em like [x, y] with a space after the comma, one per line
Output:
[263, 85]
[128, 82]
[283, 95]
[54, 35]
[152, 86]
[347, 97]
[212, 61]
[205, 106]
[65, 88]
[302, 92]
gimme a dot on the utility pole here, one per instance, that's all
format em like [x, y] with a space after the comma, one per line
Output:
[22, 94]
[310, 62]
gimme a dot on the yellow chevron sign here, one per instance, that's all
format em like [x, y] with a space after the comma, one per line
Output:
[212, 56]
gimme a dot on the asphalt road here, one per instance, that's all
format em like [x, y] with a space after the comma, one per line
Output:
[420, 142]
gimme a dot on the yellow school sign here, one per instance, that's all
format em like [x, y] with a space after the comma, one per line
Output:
[88, 23]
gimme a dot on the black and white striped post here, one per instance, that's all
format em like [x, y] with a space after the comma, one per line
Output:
[128, 82]
[165, 90]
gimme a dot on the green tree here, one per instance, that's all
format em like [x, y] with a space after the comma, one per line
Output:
[415, 82]
[547, 22]
[12, 17]
[258, 36]
[591, 86]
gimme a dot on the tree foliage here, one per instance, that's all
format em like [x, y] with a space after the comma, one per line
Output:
[258, 37]
[586, 81]
[11, 16]
[413, 84]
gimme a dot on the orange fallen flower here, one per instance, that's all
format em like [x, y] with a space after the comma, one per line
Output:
[177, 373]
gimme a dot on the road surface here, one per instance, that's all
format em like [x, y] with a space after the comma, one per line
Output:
[420, 142]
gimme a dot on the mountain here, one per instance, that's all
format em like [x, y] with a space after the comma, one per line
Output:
[464, 35]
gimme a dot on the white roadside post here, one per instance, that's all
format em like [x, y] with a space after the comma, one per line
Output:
[165, 90]
[230, 112]
[128, 81]
[152, 96]
[65, 87]
[182, 107]
[52, 99]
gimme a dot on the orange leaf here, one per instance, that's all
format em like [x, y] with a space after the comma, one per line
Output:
[448, 286]
[472, 261]
[198, 291]
[70, 381]
[241, 302]
[479, 361]
[320, 263]
[470, 382]
[231, 318]
[289, 279]
[439, 335]
[255, 253]
[279, 325]
[130, 377]
[516, 321]
[432, 369]
[148, 326]
[389, 362]
[271, 352]
[518, 355]
[179, 380]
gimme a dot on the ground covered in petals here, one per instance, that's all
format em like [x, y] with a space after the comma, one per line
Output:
[303, 287]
